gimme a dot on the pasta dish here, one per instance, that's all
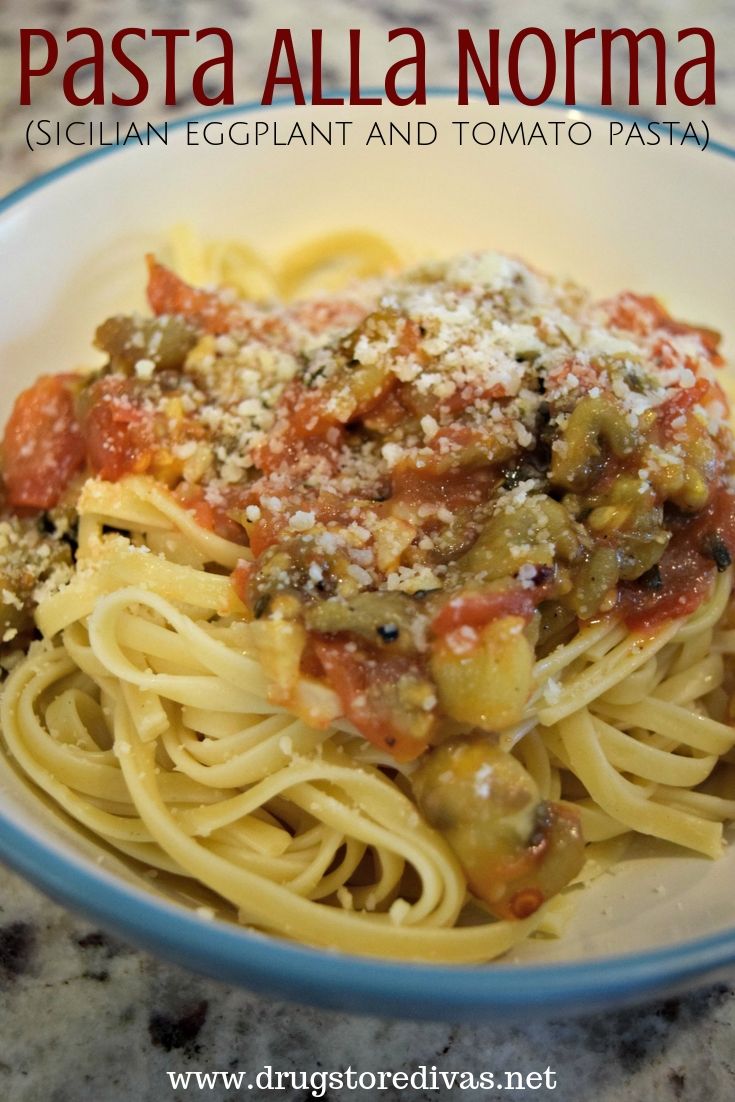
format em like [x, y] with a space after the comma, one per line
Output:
[378, 618]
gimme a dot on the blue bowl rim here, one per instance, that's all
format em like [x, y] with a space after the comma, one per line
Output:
[329, 978]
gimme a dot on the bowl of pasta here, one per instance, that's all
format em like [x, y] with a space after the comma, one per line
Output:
[366, 540]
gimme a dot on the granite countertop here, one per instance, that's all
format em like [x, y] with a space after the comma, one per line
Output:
[84, 1016]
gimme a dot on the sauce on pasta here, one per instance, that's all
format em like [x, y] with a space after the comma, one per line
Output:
[423, 492]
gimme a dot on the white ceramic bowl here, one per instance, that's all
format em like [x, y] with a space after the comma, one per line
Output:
[649, 219]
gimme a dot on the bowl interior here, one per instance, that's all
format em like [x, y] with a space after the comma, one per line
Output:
[610, 217]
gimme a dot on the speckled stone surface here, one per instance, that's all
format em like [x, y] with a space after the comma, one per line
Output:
[85, 1017]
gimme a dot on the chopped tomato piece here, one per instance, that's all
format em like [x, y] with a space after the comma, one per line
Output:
[475, 610]
[265, 533]
[43, 447]
[361, 686]
[302, 429]
[683, 400]
[119, 433]
[207, 310]
[217, 519]
[455, 489]
[215, 516]
[643, 314]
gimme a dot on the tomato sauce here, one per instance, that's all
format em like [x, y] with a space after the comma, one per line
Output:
[306, 430]
[456, 489]
[208, 310]
[476, 610]
[683, 578]
[682, 402]
[117, 425]
[360, 681]
[643, 314]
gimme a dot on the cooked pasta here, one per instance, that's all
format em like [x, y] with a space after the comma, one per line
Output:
[372, 661]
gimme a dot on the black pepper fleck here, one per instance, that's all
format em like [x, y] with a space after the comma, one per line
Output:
[261, 606]
[652, 578]
[716, 549]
